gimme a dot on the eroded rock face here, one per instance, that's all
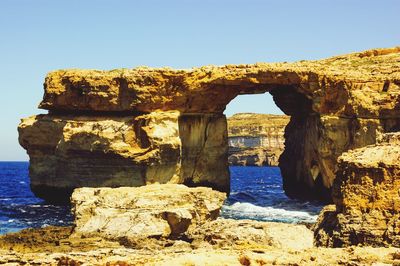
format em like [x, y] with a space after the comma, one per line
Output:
[151, 211]
[67, 152]
[256, 139]
[312, 162]
[366, 197]
[335, 104]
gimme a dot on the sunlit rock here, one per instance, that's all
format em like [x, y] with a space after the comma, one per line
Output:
[67, 152]
[335, 104]
[366, 194]
[147, 211]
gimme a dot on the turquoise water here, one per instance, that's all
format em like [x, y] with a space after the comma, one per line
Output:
[256, 193]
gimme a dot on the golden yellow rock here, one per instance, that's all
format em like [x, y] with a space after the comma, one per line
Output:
[366, 193]
[334, 86]
[151, 211]
[53, 246]
[335, 104]
[67, 152]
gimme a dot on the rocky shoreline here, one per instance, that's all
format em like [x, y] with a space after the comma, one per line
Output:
[366, 196]
[172, 225]
[54, 246]
[165, 224]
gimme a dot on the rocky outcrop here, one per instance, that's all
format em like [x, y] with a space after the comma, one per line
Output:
[256, 139]
[335, 104]
[366, 196]
[152, 211]
[67, 151]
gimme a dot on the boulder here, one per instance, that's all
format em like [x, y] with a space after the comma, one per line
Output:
[153, 211]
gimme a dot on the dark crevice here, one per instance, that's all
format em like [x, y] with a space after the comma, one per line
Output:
[386, 86]
[53, 195]
[190, 183]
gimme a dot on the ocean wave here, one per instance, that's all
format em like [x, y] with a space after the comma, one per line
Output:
[245, 210]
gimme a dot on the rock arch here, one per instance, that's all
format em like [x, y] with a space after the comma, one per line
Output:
[130, 127]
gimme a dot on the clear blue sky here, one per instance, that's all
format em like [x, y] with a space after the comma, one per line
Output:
[39, 36]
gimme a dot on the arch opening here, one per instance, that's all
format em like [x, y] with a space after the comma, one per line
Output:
[258, 145]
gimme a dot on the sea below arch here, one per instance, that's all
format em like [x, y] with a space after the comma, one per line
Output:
[256, 194]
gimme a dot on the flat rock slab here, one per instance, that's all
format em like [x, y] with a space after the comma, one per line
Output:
[148, 211]
[229, 233]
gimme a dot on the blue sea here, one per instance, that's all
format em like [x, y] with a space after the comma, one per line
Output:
[256, 193]
[19, 208]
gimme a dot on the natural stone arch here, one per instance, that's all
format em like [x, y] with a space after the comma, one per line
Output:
[174, 130]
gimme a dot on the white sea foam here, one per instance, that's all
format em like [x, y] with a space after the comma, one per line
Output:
[250, 211]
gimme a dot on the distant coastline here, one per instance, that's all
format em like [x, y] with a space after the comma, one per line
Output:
[256, 139]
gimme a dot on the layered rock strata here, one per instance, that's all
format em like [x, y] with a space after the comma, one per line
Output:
[366, 194]
[335, 104]
[256, 139]
[68, 151]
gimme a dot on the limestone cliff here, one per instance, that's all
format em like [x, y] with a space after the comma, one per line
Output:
[335, 104]
[256, 139]
[70, 151]
[366, 196]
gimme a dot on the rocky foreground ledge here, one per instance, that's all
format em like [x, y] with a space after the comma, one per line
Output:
[172, 225]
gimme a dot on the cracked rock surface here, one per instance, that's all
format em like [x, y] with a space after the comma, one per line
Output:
[153, 211]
